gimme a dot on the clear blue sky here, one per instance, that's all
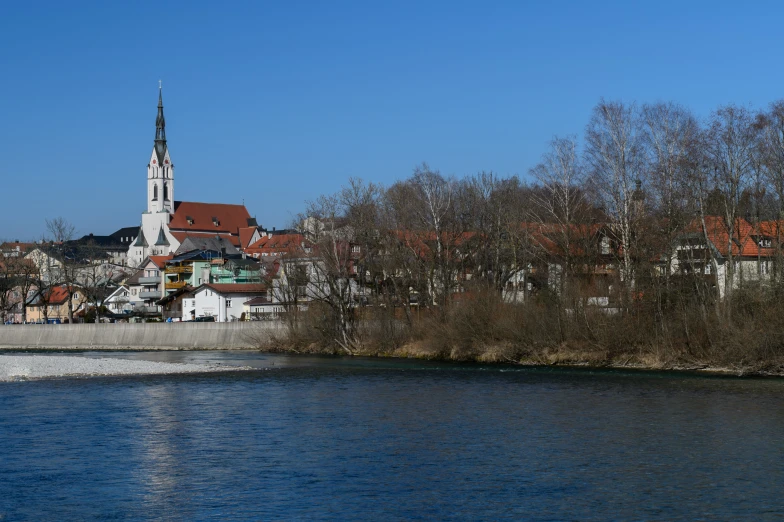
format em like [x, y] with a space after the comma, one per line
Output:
[278, 102]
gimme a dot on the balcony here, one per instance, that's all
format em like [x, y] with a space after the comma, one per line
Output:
[187, 269]
[176, 285]
[150, 295]
[146, 310]
[149, 280]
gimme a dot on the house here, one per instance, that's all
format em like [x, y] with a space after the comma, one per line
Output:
[179, 305]
[706, 251]
[224, 302]
[121, 302]
[113, 248]
[52, 304]
[47, 263]
[197, 267]
[15, 248]
[147, 285]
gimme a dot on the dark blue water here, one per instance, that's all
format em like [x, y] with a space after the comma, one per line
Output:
[352, 439]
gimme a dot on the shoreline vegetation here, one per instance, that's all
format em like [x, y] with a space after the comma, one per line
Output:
[486, 331]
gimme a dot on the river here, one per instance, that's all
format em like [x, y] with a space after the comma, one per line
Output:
[320, 438]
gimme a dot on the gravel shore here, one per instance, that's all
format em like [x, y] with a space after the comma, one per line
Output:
[21, 367]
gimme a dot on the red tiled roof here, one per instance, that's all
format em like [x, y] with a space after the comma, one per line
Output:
[14, 245]
[279, 244]
[246, 234]
[241, 288]
[160, 261]
[57, 295]
[743, 243]
[229, 218]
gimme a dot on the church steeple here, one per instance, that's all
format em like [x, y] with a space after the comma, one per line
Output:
[160, 170]
[160, 128]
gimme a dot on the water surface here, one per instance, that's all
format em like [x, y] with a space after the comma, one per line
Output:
[314, 438]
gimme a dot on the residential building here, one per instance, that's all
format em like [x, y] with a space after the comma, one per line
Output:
[52, 305]
[15, 248]
[224, 302]
[147, 285]
[121, 302]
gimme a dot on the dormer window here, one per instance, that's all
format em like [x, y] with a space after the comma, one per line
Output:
[215, 221]
[765, 242]
[189, 220]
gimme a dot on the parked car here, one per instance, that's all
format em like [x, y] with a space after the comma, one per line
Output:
[206, 319]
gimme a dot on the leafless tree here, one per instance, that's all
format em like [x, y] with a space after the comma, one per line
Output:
[730, 140]
[617, 163]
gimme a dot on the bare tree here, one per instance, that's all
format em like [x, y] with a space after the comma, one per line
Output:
[730, 141]
[770, 151]
[616, 159]
[331, 278]
[560, 203]
[61, 232]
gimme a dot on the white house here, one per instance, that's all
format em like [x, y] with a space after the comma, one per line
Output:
[121, 301]
[224, 302]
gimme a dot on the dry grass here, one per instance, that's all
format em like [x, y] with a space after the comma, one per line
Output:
[748, 338]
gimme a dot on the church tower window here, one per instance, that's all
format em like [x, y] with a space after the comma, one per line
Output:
[166, 192]
[155, 192]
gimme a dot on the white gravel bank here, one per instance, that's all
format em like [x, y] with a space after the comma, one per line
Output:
[19, 367]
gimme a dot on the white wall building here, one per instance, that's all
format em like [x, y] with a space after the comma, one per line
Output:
[224, 302]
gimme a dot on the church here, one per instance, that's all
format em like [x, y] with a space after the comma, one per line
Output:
[168, 223]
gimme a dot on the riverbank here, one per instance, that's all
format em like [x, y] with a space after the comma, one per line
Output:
[26, 367]
[549, 357]
[271, 337]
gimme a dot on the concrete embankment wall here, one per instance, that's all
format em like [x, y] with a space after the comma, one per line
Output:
[142, 336]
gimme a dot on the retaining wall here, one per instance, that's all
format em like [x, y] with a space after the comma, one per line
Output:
[142, 336]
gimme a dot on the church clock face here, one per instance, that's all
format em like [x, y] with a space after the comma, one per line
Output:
[153, 162]
[166, 162]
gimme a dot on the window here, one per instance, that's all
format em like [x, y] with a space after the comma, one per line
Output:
[228, 303]
[605, 245]
[165, 192]
[155, 192]
[356, 249]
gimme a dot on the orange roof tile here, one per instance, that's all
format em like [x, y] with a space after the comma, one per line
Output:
[191, 216]
[160, 261]
[246, 234]
[279, 244]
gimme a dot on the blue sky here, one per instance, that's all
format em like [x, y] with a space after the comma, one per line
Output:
[275, 103]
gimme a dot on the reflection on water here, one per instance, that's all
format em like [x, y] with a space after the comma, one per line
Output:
[335, 438]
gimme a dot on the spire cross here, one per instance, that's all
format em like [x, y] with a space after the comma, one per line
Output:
[160, 84]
